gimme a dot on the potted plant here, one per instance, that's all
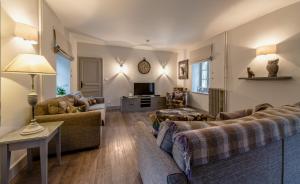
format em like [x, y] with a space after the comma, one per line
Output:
[60, 91]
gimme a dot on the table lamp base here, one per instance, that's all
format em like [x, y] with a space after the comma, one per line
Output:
[32, 128]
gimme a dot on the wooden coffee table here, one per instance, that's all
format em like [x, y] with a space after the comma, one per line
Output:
[15, 141]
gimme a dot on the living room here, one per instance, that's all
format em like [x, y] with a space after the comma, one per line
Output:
[122, 91]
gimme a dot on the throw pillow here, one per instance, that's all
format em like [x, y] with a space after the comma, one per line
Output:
[297, 105]
[41, 110]
[70, 99]
[234, 115]
[84, 101]
[92, 101]
[62, 107]
[53, 108]
[263, 106]
[165, 136]
[82, 108]
[168, 130]
[72, 109]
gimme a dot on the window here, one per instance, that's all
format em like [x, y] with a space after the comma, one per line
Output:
[63, 75]
[200, 77]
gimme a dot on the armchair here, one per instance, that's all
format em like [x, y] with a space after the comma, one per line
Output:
[178, 98]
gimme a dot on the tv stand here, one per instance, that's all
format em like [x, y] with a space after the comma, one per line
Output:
[142, 103]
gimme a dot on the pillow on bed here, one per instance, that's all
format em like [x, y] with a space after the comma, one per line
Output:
[168, 129]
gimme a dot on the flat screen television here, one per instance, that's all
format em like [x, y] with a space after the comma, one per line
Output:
[144, 88]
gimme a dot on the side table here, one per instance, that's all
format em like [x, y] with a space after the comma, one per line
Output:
[15, 141]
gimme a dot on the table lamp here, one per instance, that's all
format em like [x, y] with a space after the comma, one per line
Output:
[33, 65]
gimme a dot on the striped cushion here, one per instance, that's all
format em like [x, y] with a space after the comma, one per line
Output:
[169, 128]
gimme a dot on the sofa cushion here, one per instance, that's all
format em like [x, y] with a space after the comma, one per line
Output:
[81, 108]
[83, 101]
[165, 136]
[262, 107]
[234, 115]
[297, 104]
[41, 109]
[57, 107]
[92, 101]
[77, 94]
[70, 99]
[62, 107]
[168, 129]
[96, 107]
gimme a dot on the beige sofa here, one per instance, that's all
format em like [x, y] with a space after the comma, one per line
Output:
[80, 130]
[99, 106]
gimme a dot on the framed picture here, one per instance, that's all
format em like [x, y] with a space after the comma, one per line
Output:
[183, 69]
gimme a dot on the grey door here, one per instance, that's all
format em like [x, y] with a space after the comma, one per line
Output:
[90, 76]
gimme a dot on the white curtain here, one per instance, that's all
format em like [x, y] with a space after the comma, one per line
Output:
[62, 45]
[204, 53]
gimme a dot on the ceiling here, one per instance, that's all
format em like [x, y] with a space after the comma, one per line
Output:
[168, 24]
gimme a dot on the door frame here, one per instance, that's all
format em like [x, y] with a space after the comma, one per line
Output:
[101, 70]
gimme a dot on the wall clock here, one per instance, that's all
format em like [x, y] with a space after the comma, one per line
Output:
[144, 66]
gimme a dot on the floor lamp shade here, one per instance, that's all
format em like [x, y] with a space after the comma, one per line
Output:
[33, 65]
[30, 64]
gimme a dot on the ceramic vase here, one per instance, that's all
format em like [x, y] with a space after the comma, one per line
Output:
[273, 68]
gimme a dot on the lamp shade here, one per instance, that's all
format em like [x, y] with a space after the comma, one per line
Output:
[30, 64]
[265, 50]
[26, 32]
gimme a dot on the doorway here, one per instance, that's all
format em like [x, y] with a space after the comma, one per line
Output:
[90, 72]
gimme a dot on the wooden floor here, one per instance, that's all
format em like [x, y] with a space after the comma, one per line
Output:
[113, 163]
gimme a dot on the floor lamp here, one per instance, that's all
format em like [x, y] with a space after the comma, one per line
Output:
[33, 65]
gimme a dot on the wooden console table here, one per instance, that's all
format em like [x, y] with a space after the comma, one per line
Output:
[15, 141]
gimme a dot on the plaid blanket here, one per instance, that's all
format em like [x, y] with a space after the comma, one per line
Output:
[232, 137]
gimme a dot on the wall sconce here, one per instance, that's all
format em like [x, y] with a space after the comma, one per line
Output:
[272, 66]
[266, 50]
[163, 71]
[121, 68]
[26, 32]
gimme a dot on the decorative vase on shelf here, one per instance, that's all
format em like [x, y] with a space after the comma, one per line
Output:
[273, 67]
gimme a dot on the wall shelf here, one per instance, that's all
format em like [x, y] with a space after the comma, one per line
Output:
[267, 78]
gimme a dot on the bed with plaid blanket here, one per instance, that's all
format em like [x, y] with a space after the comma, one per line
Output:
[233, 137]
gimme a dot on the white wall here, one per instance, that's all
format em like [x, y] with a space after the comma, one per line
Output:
[117, 85]
[281, 27]
[15, 111]
[49, 22]
[216, 74]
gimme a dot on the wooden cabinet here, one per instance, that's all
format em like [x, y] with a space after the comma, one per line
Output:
[142, 103]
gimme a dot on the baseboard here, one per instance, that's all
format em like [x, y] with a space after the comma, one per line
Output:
[113, 108]
[19, 165]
